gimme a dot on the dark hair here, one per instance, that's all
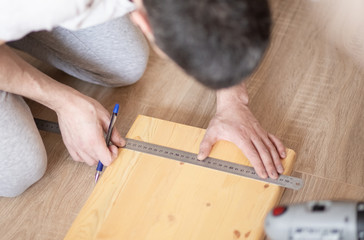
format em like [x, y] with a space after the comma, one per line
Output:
[219, 42]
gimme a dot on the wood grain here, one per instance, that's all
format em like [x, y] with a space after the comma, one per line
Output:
[308, 91]
[149, 197]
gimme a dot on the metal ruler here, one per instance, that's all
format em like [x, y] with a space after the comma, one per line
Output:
[191, 158]
[213, 163]
[48, 126]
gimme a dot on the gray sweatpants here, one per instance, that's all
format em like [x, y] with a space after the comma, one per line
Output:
[111, 54]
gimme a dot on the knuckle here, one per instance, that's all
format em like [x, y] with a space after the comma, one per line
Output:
[107, 161]
[204, 143]
[254, 138]
[258, 165]
[277, 162]
[75, 157]
[254, 160]
[269, 165]
[244, 132]
[273, 153]
[266, 154]
[271, 136]
[270, 145]
[263, 133]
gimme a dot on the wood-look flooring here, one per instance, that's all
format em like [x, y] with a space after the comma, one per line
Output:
[308, 91]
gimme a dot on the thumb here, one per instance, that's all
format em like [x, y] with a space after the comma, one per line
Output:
[205, 146]
[117, 139]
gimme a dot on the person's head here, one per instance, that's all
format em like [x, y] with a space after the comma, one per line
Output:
[218, 42]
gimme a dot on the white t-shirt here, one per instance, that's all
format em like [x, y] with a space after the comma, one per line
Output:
[20, 17]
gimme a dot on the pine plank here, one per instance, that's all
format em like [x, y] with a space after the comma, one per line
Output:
[149, 197]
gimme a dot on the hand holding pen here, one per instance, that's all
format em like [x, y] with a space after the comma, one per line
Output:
[82, 126]
[100, 166]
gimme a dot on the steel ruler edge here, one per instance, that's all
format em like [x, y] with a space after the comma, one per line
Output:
[191, 158]
[209, 162]
[48, 126]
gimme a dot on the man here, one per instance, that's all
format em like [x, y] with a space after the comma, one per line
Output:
[217, 42]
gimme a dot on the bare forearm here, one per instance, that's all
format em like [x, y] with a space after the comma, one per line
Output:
[19, 77]
[83, 136]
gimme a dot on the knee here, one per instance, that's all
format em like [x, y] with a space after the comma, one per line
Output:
[127, 73]
[22, 154]
[25, 170]
[135, 71]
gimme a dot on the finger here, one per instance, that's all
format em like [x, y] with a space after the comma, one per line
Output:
[279, 145]
[266, 157]
[105, 156]
[111, 150]
[251, 153]
[100, 149]
[117, 139]
[86, 158]
[78, 154]
[89, 160]
[273, 152]
[114, 151]
[74, 156]
[102, 152]
[205, 146]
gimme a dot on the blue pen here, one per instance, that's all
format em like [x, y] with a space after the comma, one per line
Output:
[100, 166]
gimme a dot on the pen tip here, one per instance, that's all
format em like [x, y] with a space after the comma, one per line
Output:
[97, 175]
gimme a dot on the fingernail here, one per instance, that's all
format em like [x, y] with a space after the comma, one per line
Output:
[200, 156]
[122, 143]
[274, 175]
[283, 154]
[264, 175]
[280, 169]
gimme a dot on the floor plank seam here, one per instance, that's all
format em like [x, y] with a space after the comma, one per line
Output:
[329, 179]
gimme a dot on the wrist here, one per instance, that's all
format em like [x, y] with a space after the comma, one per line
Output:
[64, 98]
[232, 97]
[53, 94]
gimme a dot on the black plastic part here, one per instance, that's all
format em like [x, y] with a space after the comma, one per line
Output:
[318, 208]
[360, 221]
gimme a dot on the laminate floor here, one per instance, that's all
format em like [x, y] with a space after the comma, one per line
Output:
[308, 91]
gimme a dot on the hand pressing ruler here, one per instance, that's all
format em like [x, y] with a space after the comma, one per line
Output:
[191, 158]
[212, 163]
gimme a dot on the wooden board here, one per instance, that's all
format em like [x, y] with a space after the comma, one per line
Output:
[147, 197]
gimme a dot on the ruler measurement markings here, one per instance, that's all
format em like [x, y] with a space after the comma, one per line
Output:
[47, 125]
[212, 163]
